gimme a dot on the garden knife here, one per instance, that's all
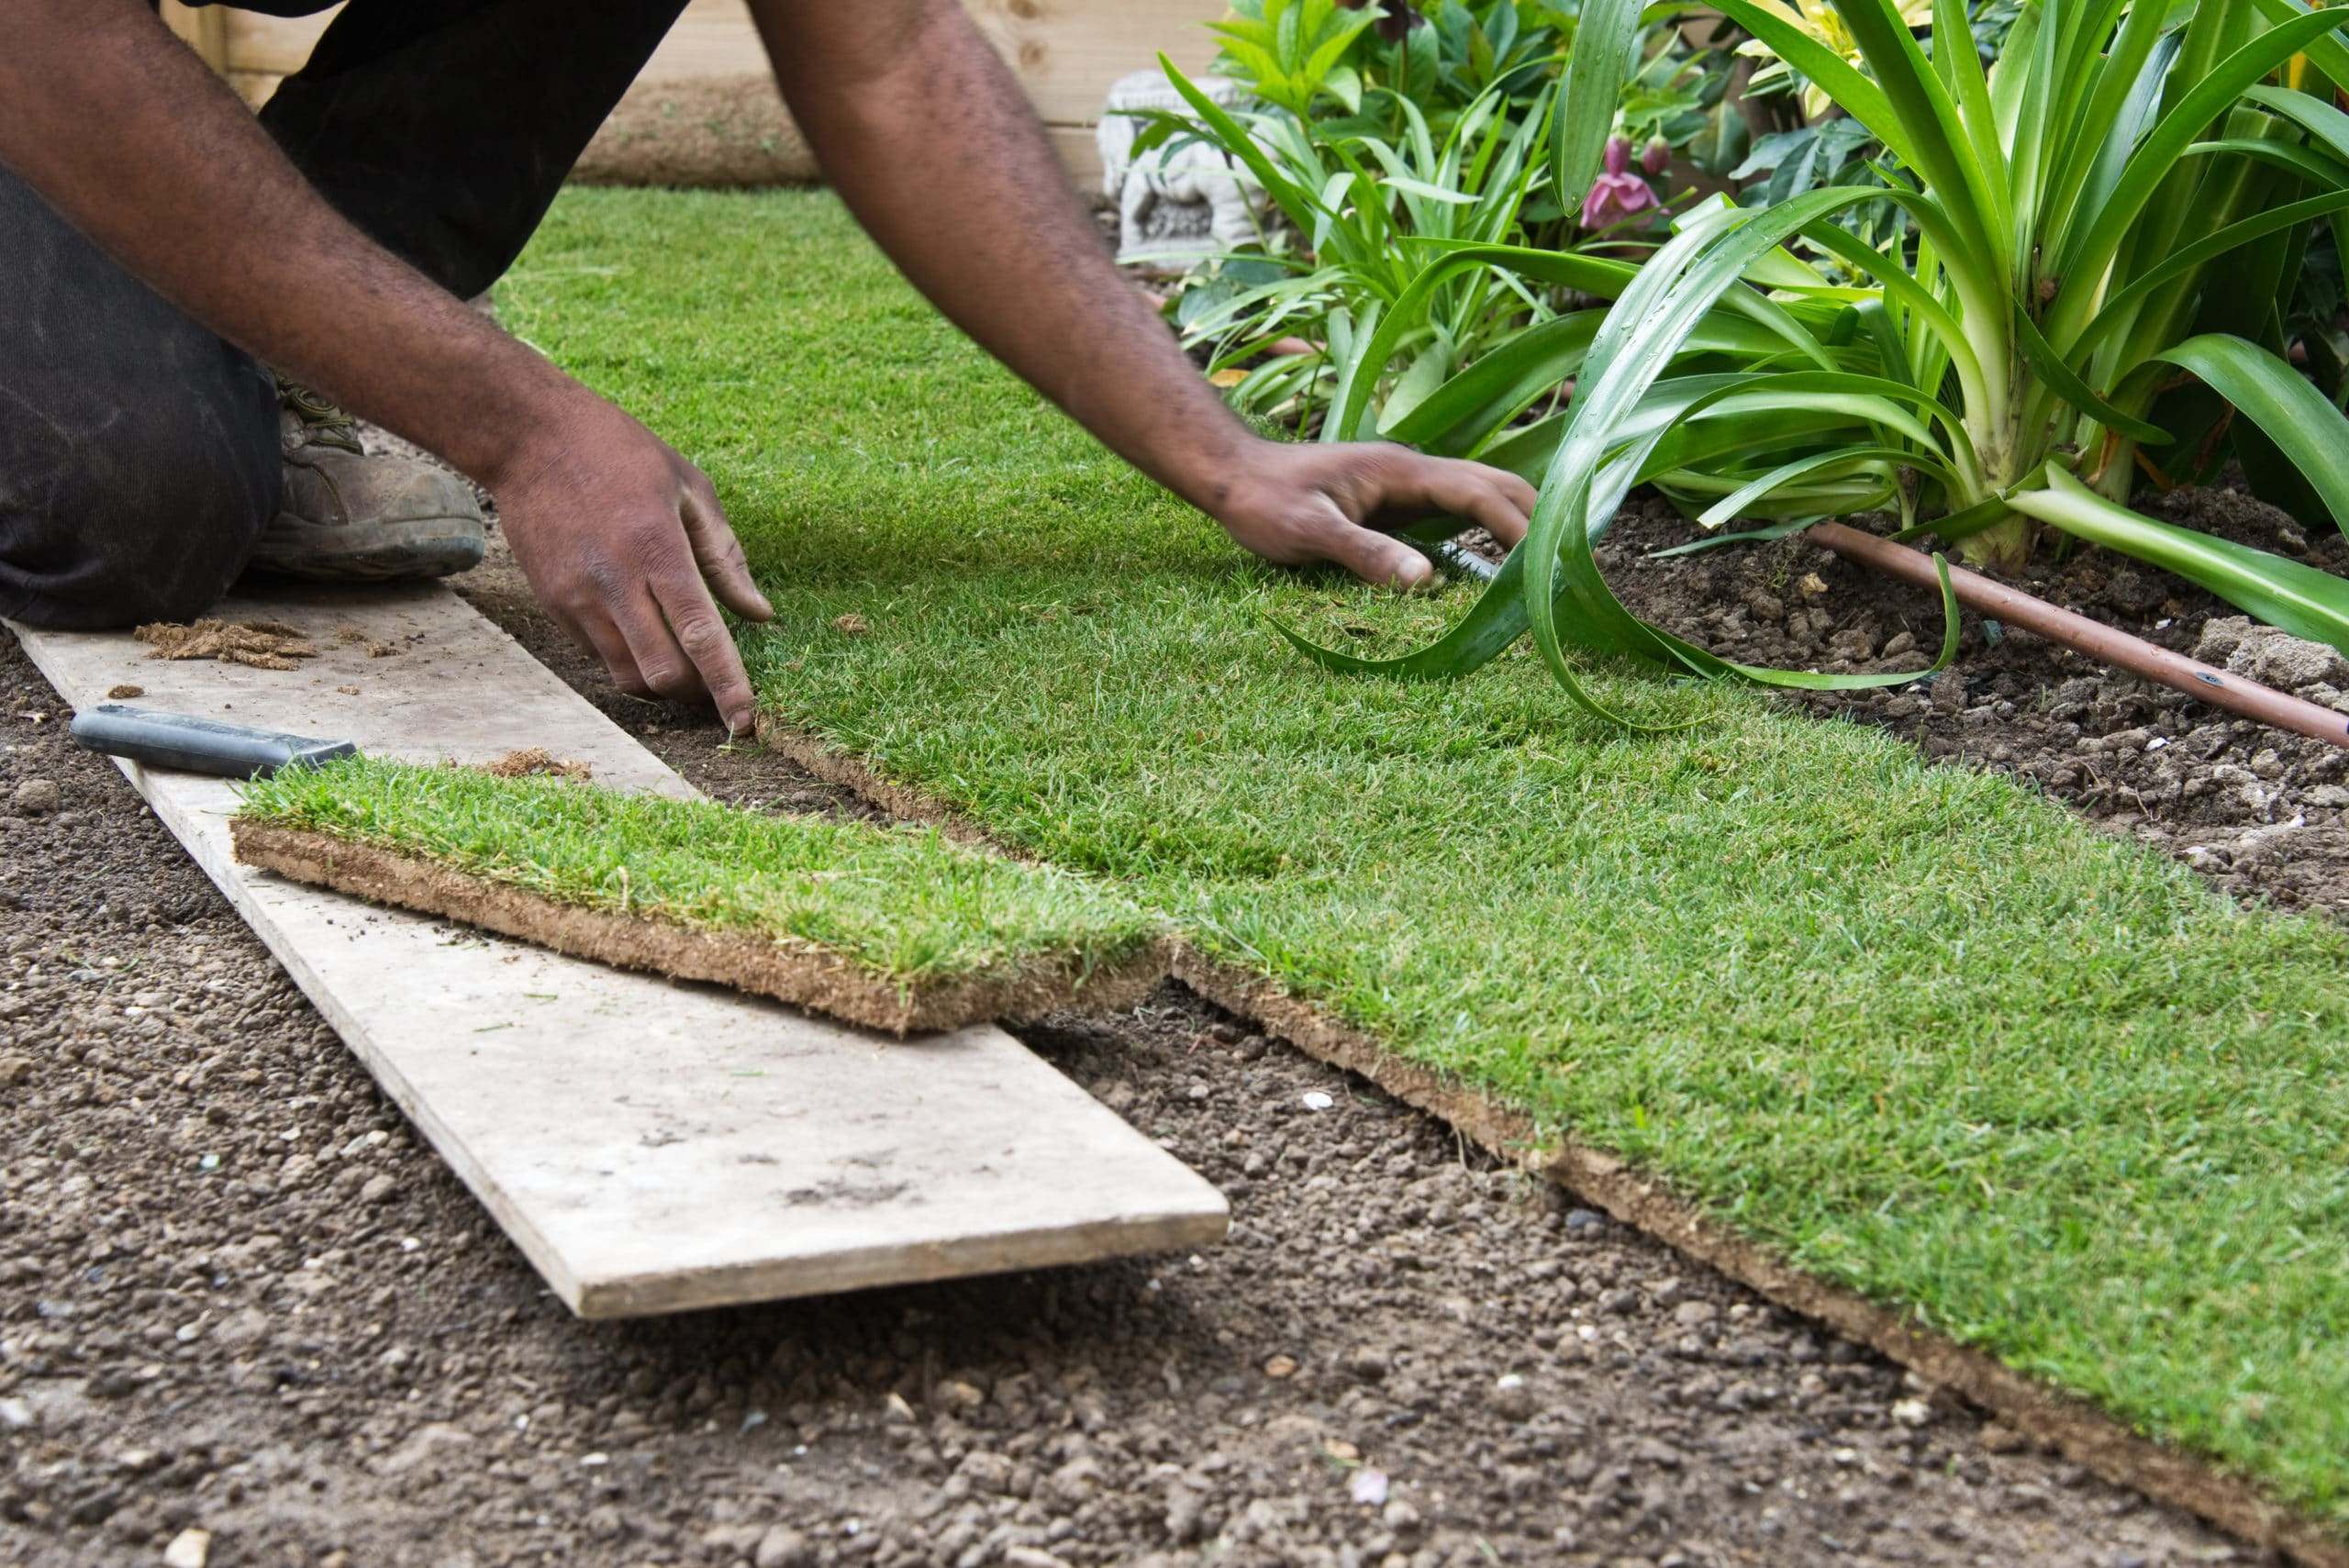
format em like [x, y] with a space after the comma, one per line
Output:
[155, 739]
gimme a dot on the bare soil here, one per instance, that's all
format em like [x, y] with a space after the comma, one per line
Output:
[237, 1295]
[2257, 810]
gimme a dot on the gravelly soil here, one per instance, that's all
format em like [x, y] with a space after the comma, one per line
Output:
[2260, 811]
[237, 1295]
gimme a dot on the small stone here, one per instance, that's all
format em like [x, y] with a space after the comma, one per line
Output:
[378, 1188]
[1689, 1314]
[2001, 1440]
[895, 1412]
[188, 1549]
[1899, 642]
[1512, 1398]
[1911, 1412]
[1315, 1100]
[1281, 1366]
[1367, 1363]
[1401, 1517]
[1810, 586]
[1032, 1557]
[784, 1547]
[953, 1396]
[17, 1415]
[1580, 1219]
[36, 797]
[1621, 1302]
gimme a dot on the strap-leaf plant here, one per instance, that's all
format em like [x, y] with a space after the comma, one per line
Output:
[2114, 210]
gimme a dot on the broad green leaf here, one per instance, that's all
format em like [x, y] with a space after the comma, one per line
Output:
[2295, 598]
[2298, 417]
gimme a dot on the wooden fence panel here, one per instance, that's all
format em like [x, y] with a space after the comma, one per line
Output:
[1066, 52]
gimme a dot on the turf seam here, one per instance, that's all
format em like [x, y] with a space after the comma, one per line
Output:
[2083, 1433]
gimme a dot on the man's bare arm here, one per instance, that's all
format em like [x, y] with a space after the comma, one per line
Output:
[127, 134]
[930, 141]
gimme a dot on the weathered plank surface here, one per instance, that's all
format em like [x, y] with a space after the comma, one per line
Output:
[649, 1147]
[1066, 52]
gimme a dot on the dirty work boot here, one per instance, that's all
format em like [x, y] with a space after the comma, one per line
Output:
[350, 517]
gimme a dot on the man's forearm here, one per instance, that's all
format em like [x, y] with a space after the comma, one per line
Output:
[127, 134]
[930, 141]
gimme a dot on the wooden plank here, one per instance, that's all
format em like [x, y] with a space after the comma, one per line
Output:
[1067, 52]
[205, 28]
[649, 1147]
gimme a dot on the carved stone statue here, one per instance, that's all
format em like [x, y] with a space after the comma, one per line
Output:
[1173, 200]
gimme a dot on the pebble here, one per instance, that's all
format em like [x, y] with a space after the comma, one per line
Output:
[1399, 1516]
[784, 1547]
[1512, 1399]
[189, 1549]
[16, 1415]
[1032, 1557]
[1911, 1412]
[36, 797]
[1315, 1100]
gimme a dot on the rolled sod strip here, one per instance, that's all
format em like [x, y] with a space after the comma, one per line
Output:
[905, 931]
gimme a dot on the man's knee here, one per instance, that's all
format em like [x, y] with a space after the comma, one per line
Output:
[128, 503]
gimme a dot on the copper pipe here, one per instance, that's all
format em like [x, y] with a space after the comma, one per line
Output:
[2219, 688]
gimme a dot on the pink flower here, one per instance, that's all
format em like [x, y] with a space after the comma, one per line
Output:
[1656, 156]
[1617, 194]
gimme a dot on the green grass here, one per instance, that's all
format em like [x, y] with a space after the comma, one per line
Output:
[906, 906]
[1917, 1029]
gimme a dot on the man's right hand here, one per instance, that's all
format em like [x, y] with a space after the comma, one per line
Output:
[623, 541]
[136, 144]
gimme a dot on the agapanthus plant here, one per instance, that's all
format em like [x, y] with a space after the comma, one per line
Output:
[2111, 214]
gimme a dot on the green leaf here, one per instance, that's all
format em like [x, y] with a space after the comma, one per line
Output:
[2298, 418]
[2285, 594]
[1594, 77]
[2069, 386]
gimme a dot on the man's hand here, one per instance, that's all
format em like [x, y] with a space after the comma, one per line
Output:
[622, 541]
[1296, 504]
[929, 140]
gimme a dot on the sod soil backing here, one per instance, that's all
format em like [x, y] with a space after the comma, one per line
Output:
[895, 930]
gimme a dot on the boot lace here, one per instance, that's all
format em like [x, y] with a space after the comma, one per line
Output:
[323, 424]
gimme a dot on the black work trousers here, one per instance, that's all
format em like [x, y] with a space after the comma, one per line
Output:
[138, 452]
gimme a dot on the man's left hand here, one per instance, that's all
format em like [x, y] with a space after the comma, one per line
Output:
[1298, 503]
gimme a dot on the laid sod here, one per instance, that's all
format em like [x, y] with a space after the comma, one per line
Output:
[1918, 1030]
[899, 929]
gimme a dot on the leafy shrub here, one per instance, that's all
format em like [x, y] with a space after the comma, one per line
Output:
[2110, 216]
[1377, 152]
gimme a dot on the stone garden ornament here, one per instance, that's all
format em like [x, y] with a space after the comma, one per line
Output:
[1181, 199]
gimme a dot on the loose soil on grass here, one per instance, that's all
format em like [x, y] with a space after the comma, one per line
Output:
[2258, 810]
[239, 1296]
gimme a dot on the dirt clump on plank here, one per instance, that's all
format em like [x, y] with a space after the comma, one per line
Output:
[262, 644]
[537, 761]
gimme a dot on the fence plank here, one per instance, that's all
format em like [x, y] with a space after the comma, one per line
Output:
[1066, 52]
